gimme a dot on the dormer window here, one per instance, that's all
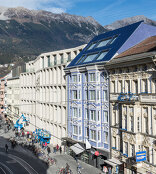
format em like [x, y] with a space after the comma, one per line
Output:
[91, 46]
[102, 55]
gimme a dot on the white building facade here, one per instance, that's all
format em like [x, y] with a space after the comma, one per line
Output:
[12, 98]
[43, 92]
[133, 111]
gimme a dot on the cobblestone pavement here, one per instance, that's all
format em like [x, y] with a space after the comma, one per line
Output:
[62, 159]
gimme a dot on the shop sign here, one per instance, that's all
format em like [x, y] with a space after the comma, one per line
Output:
[140, 156]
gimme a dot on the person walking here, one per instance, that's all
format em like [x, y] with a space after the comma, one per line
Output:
[79, 168]
[6, 148]
[48, 150]
[57, 147]
[60, 150]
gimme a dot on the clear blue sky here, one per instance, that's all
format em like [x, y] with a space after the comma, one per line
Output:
[104, 11]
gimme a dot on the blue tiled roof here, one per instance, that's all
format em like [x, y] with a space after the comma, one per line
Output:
[121, 34]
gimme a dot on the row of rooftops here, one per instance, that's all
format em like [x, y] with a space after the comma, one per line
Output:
[129, 40]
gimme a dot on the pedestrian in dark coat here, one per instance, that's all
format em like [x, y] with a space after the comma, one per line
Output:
[48, 150]
[6, 147]
[60, 149]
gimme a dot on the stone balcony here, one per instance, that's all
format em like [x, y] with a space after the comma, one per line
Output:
[142, 97]
[148, 98]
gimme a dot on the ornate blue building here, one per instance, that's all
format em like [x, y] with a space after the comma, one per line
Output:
[88, 87]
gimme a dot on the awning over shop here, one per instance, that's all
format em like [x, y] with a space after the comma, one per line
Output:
[113, 162]
[77, 148]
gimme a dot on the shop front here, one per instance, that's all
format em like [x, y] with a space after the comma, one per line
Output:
[92, 156]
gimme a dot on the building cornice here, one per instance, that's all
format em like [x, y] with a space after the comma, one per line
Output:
[131, 60]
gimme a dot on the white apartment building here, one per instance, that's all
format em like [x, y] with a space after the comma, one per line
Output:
[43, 92]
[133, 107]
[12, 98]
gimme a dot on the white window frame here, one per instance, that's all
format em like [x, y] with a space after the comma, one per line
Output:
[75, 112]
[92, 95]
[75, 95]
[93, 115]
[93, 135]
[92, 77]
[75, 130]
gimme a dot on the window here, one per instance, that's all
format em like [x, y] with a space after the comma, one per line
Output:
[79, 94]
[75, 94]
[136, 87]
[61, 55]
[138, 124]
[92, 77]
[132, 149]
[106, 116]
[80, 59]
[79, 78]
[102, 55]
[92, 95]
[89, 58]
[42, 62]
[99, 135]
[146, 124]
[125, 122]
[93, 115]
[75, 112]
[124, 118]
[87, 113]
[106, 137]
[103, 43]
[105, 95]
[79, 112]
[48, 58]
[75, 130]
[55, 60]
[114, 118]
[113, 87]
[87, 132]
[74, 78]
[147, 153]
[132, 123]
[86, 94]
[144, 87]
[91, 46]
[114, 142]
[98, 115]
[98, 95]
[145, 114]
[79, 130]
[86, 77]
[68, 57]
[126, 148]
[127, 86]
[93, 134]
[120, 86]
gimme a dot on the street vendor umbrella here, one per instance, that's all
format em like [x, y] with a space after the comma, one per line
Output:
[96, 153]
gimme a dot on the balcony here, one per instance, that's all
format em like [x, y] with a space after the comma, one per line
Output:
[121, 97]
[147, 98]
[130, 97]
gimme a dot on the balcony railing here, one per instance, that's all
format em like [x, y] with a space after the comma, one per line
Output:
[148, 98]
[142, 97]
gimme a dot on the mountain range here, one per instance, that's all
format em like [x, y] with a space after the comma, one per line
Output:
[24, 34]
[27, 33]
